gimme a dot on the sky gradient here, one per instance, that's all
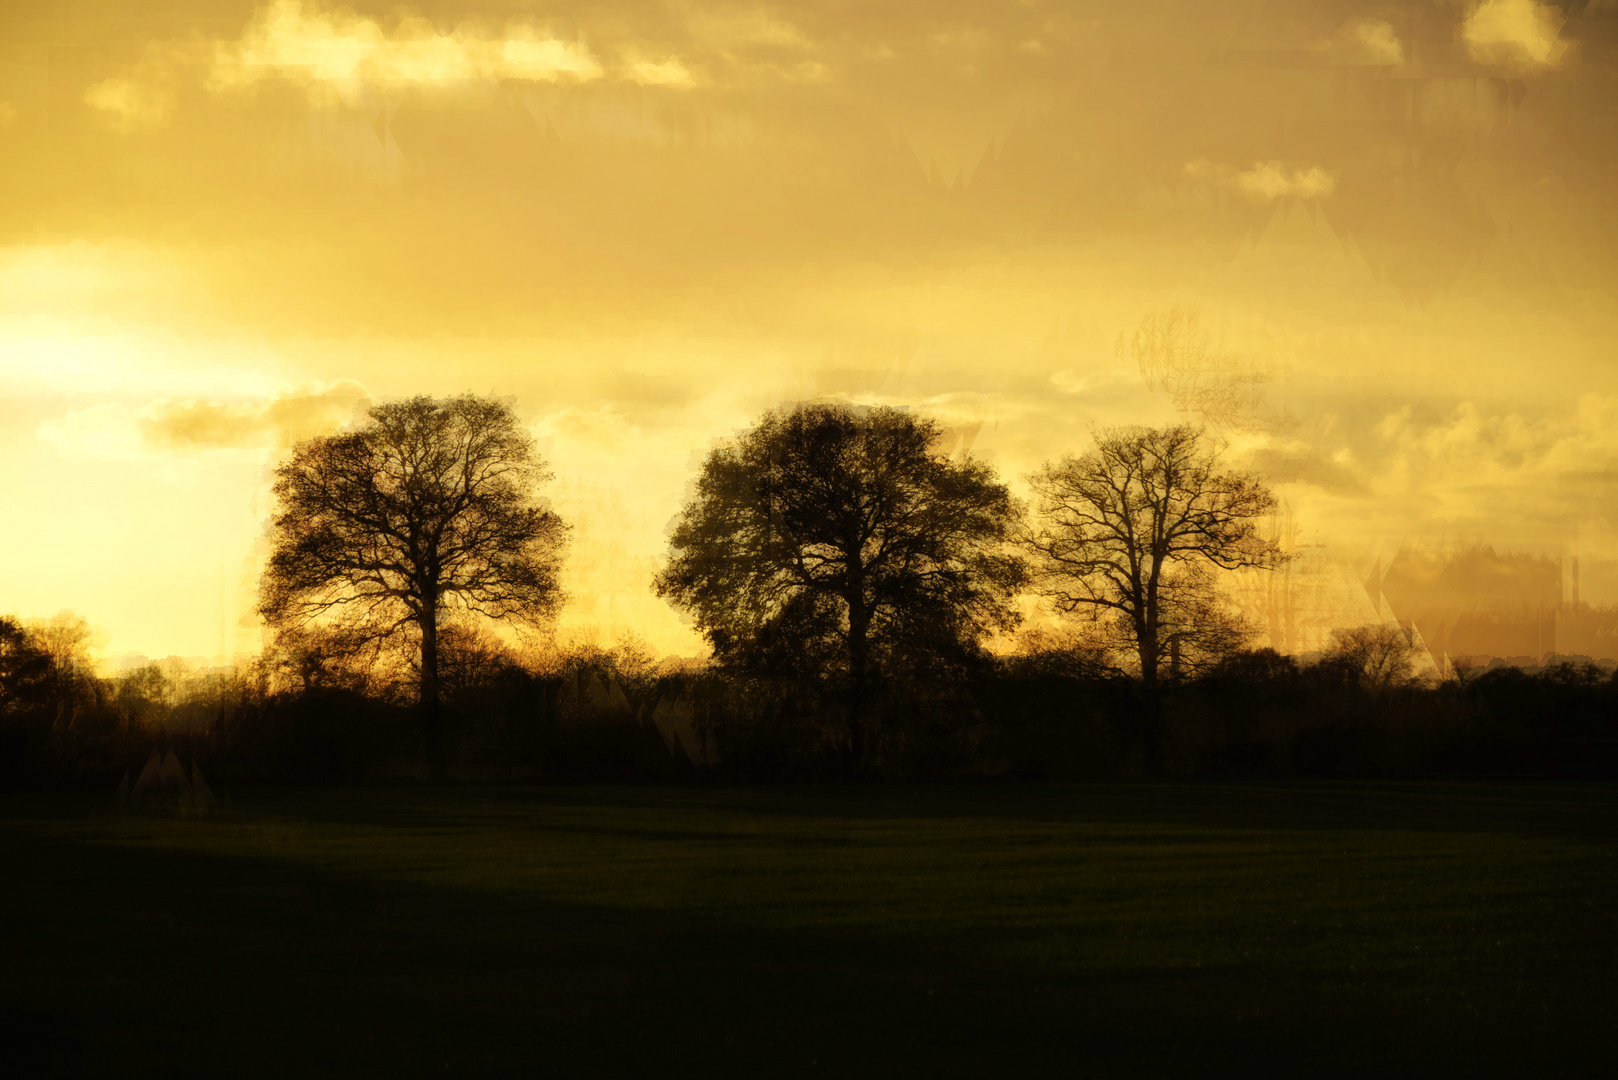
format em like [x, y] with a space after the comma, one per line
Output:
[1386, 233]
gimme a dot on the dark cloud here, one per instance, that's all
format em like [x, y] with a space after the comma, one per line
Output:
[280, 421]
[1305, 465]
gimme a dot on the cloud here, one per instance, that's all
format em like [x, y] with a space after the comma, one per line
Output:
[804, 71]
[1296, 462]
[524, 55]
[735, 48]
[1485, 467]
[1269, 180]
[347, 55]
[339, 57]
[1514, 33]
[120, 431]
[131, 103]
[1370, 42]
[736, 29]
[667, 72]
[1069, 381]
[311, 409]
[1266, 181]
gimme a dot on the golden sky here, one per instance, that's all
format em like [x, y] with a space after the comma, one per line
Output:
[223, 225]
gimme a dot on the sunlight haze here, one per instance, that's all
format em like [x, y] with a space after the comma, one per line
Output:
[227, 226]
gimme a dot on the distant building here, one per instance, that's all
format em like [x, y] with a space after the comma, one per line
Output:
[1462, 604]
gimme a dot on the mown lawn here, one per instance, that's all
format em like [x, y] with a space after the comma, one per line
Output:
[973, 930]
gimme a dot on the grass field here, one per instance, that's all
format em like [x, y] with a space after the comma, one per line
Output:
[975, 930]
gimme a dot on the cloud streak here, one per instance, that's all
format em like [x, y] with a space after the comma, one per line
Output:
[131, 103]
[1369, 42]
[349, 55]
[342, 58]
[1266, 181]
[167, 426]
[308, 410]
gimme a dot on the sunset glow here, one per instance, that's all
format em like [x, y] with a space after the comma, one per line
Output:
[228, 226]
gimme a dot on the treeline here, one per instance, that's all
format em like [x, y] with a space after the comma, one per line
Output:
[310, 713]
[856, 587]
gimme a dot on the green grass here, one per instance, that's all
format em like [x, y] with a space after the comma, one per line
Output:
[977, 930]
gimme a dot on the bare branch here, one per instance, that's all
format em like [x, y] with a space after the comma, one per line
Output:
[1133, 529]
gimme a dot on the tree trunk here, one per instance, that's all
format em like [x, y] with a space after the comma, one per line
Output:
[432, 730]
[1152, 728]
[1151, 705]
[859, 682]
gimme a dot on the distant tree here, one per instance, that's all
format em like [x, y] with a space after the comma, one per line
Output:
[469, 658]
[143, 696]
[1254, 666]
[25, 668]
[73, 686]
[1131, 533]
[1380, 655]
[312, 658]
[25, 690]
[425, 511]
[1059, 653]
[839, 544]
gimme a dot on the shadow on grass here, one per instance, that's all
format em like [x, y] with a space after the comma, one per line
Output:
[157, 963]
[1588, 811]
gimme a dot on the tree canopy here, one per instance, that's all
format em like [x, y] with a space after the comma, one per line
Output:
[837, 543]
[25, 667]
[427, 510]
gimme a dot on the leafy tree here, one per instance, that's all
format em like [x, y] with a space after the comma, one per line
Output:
[143, 696]
[25, 668]
[836, 543]
[25, 685]
[1132, 533]
[425, 512]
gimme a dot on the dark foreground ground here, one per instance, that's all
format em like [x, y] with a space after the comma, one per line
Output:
[993, 930]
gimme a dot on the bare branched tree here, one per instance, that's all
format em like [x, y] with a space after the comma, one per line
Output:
[67, 639]
[1382, 655]
[426, 511]
[1131, 535]
[1181, 353]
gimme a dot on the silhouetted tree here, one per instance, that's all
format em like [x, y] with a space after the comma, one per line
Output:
[836, 543]
[1381, 656]
[1130, 533]
[143, 696]
[25, 668]
[313, 657]
[66, 639]
[426, 509]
